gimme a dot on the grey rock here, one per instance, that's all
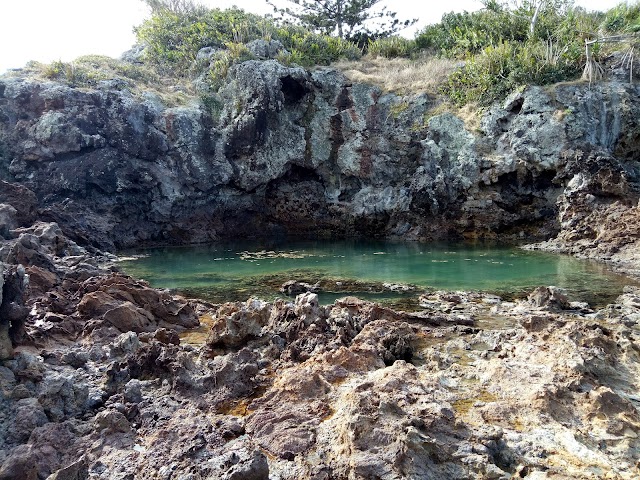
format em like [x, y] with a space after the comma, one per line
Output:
[135, 54]
[253, 468]
[29, 414]
[8, 220]
[76, 471]
[285, 149]
[205, 55]
[293, 288]
[266, 50]
[132, 391]
[549, 298]
[112, 421]
[14, 283]
[20, 464]
[126, 343]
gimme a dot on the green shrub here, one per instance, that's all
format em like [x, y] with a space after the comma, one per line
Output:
[222, 60]
[392, 47]
[74, 73]
[88, 70]
[308, 49]
[622, 18]
[174, 39]
[498, 70]
[460, 35]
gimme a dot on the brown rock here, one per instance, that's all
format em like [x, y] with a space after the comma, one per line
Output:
[127, 317]
[22, 199]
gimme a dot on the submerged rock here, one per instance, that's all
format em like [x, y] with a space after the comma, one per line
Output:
[294, 287]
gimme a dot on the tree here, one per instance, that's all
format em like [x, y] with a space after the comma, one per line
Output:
[345, 18]
[174, 6]
[531, 10]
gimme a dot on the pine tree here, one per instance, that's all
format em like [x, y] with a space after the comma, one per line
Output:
[345, 18]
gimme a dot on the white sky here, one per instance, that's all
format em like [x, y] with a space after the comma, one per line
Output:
[48, 30]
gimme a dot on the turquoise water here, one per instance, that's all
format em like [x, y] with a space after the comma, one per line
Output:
[234, 272]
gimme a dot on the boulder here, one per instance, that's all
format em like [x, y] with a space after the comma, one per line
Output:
[22, 199]
[131, 305]
[14, 284]
[266, 50]
[294, 287]
[8, 220]
[549, 298]
[236, 323]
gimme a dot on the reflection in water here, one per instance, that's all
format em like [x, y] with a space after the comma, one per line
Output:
[234, 272]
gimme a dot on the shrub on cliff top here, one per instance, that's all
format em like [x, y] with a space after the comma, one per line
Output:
[308, 49]
[496, 71]
[505, 47]
[88, 70]
[392, 47]
[173, 39]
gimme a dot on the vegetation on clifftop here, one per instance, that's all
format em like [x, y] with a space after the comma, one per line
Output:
[468, 58]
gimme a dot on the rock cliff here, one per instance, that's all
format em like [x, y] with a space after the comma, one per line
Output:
[96, 381]
[283, 150]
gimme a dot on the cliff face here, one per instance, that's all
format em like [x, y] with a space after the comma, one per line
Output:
[95, 381]
[292, 151]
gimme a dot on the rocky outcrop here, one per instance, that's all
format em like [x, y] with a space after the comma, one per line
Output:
[96, 382]
[351, 390]
[13, 312]
[598, 213]
[286, 150]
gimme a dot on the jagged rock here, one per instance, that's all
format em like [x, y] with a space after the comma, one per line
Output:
[8, 220]
[134, 55]
[294, 389]
[76, 471]
[22, 199]
[13, 286]
[549, 298]
[131, 305]
[293, 288]
[29, 414]
[112, 421]
[22, 463]
[264, 50]
[233, 324]
[6, 348]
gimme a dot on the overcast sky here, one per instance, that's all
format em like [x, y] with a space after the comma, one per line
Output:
[47, 30]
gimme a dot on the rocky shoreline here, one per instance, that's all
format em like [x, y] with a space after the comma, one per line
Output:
[100, 384]
[103, 377]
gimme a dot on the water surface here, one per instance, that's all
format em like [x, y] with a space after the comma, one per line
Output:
[369, 270]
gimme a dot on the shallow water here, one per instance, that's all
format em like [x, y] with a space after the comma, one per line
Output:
[234, 272]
